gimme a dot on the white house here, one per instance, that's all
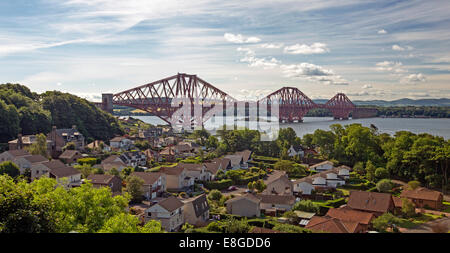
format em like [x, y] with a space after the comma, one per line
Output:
[120, 142]
[169, 212]
[303, 187]
[68, 176]
[25, 162]
[323, 166]
[343, 171]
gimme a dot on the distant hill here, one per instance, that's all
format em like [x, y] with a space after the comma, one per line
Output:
[398, 102]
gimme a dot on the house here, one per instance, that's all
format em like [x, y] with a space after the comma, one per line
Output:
[105, 180]
[332, 225]
[323, 166]
[25, 162]
[153, 155]
[154, 183]
[177, 178]
[60, 137]
[169, 212]
[374, 202]
[134, 158]
[212, 168]
[246, 157]
[323, 180]
[349, 217]
[98, 146]
[278, 183]
[25, 141]
[343, 171]
[196, 211]
[275, 203]
[245, 205]
[70, 156]
[120, 143]
[303, 186]
[40, 169]
[179, 151]
[10, 155]
[61, 174]
[294, 151]
[196, 171]
[423, 197]
[236, 161]
[225, 163]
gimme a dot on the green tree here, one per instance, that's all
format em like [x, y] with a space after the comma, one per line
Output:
[370, 171]
[381, 173]
[39, 147]
[359, 168]
[306, 206]
[134, 188]
[127, 223]
[385, 221]
[412, 185]
[233, 225]
[85, 169]
[260, 186]
[215, 195]
[69, 146]
[9, 122]
[408, 208]
[384, 185]
[9, 168]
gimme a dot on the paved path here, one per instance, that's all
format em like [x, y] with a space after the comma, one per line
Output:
[427, 227]
[422, 210]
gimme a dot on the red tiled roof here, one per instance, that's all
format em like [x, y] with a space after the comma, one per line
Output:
[327, 224]
[369, 201]
[421, 193]
[350, 215]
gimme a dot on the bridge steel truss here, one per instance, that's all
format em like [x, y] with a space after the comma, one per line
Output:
[165, 97]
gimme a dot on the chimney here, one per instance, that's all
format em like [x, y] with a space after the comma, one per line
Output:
[19, 141]
[74, 127]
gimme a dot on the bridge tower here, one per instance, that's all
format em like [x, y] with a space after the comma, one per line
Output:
[107, 102]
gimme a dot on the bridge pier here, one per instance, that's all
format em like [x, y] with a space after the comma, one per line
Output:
[107, 102]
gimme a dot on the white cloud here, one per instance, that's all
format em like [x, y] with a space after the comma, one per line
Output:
[239, 39]
[389, 66]
[367, 86]
[312, 72]
[315, 48]
[399, 48]
[414, 78]
[382, 31]
[272, 45]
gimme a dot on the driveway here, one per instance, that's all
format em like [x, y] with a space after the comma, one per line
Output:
[427, 227]
[239, 191]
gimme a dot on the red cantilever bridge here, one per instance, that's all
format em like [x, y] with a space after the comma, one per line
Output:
[158, 99]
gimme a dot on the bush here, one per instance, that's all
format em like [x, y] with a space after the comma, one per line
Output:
[89, 160]
[306, 206]
[214, 227]
[219, 185]
[384, 185]
[215, 195]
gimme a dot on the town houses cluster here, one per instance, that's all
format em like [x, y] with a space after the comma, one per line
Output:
[174, 190]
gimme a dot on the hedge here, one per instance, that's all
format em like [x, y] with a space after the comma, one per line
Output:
[219, 185]
[88, 160]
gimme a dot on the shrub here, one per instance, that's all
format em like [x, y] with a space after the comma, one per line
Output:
[88, 160]
[219, 185]
[306, 206]
[215, 195]
[214, 226]
[384, 185]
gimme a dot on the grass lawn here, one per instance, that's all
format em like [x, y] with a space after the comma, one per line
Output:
[163, 165]
[414, 222]
[344, 191]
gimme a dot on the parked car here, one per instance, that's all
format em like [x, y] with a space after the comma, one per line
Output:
[232, 188]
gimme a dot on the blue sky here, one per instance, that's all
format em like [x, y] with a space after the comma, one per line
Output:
[367, 49]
